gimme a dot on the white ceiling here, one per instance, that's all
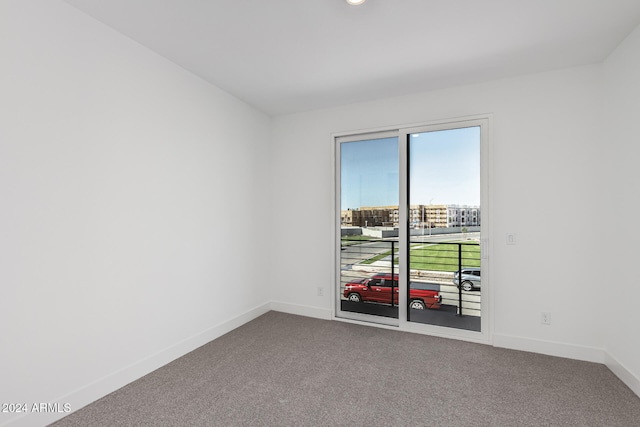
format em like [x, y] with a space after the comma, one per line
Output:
[285, 56]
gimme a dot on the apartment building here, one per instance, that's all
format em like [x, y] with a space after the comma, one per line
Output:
[462, 216]
[368, 216]
[427, 216]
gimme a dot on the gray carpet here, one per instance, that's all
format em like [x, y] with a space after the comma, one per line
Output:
[286, 370]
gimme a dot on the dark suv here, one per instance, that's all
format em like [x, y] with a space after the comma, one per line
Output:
[381, 289]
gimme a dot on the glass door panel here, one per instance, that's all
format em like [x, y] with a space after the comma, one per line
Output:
[368, 189]
[443, 220]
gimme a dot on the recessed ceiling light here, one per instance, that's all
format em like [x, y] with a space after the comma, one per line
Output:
[355, 2]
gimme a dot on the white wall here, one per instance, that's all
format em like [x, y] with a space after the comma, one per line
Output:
[126, 187]
[619, 168]
[547, 134]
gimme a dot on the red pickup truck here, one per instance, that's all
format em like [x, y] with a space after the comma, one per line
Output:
[381, 289]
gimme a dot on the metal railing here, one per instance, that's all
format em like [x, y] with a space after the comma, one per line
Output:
[431, 263]
[439, 261]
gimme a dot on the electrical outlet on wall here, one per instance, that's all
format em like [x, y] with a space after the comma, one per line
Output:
[545, 318]
[320, 291]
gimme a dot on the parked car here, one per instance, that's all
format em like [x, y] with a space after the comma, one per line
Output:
[470, 278]
[381, 288]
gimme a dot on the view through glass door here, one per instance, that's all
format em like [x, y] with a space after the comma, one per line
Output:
[410, 226]
[369, 194]
[444, 223]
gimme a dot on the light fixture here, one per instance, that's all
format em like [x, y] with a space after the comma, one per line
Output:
[355, 2]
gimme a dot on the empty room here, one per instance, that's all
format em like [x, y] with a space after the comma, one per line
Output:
[319, 212]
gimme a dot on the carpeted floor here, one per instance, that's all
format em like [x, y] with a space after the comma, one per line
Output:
[286, 370]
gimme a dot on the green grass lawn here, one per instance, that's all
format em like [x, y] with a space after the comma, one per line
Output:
[443, 257]
[437, 257]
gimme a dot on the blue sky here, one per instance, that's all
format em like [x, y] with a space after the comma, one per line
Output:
[444, 169]
[369, 173]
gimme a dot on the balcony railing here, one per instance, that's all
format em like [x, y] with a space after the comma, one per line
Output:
[432, 265]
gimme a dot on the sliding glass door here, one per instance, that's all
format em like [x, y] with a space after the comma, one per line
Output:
[410, 225]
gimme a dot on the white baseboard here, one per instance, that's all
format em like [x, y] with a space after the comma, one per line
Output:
[118, 379]
[588, 354]
[550, 348]
[301, 310]
[626, 376]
